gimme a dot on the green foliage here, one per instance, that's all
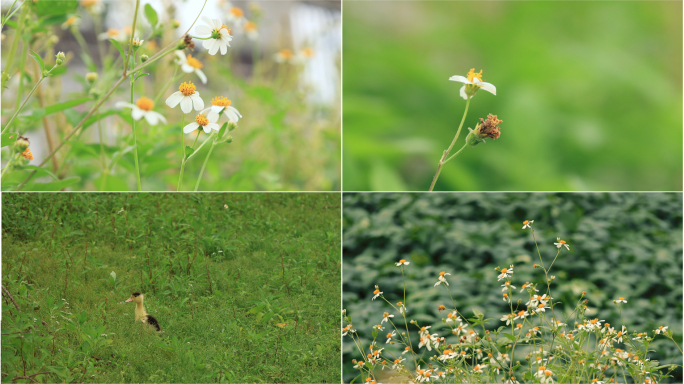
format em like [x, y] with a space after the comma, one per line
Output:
[621, 244]
[211, 275]
[588, 92]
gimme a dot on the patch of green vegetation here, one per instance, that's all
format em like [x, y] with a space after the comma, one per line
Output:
[248, 292]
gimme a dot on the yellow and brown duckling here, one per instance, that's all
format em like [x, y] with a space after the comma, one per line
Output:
[140, 313]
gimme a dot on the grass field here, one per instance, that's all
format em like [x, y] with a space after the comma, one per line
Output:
[247, 293]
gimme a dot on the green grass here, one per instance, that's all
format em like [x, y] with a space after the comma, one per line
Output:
[213, 278]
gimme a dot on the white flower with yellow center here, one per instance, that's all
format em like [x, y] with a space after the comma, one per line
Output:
[527, 224]
[251, 30]
[206, 123]
[187, 97]
[561, 243]
[236, 17]
[304, 55]
[621, 300]
[71, 21]
[143, 108]
[221, 103]
[120, 35]
[473, 82]
[93, 6]
[190, 64]
[219, 35]
[283, 56]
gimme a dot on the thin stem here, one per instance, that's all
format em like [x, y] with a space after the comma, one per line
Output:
[17, 34]
[130, 43]
[196, 137]
[444, 159]
[22, 67]
[8, 14]
[206, 160]
[135, 144]
[22, 106]
[168, 83]
[180, 176]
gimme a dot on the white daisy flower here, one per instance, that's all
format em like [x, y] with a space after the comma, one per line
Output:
[236, 17]
[283, 56]
[660, 330]
[620, 300]
[527, 224]
[505, 273]
[120, 35]
[402, 262]
[220, 35]
[187, 97]
[221, 103]
[93, 6]
[251, 30]
[206, 123]
[507, 319]
[304, 55]
[71, 21]
[348, 329]
[385, 317]
[390, 336]
[377, 292]
[142, 108]
[442, 279]
[479, 368]
[190, 64]
[506, 286]
[473, 82]
[561, 243]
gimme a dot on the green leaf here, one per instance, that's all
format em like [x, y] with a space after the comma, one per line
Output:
[151, 15]
[384, 178]
[222, 130]
[118, 46]
[188, 151]
[509, 336]
[9, 138]
[53, 19]
[41, 170]
[53, 186]
[55, 7]
[65, 105]
[38, 60]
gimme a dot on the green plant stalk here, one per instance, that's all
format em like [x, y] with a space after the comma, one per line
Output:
[102, 152]
[205, 164]
[22, 106]
[17, 35]
[8, 14]
[130, 43]
[22, 68]
[443, 160]
[135, 145]
[180, 176]
[106, 96]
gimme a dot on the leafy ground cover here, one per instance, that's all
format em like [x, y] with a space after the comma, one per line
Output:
[621, 245]
[247, 293]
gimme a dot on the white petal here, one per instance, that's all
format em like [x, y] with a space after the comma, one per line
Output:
[460, 79]
[197, 101]
[214, 47]
[488, 87]
[137, 114]
[213, 126]
[190, 127]
[463, 94]
[152, 117]
[174, 99]
[123, 104]
[181, 56]
[206, 128]
[187, 68]
[213, 115]
[159, 116]
[203, 30]
[224, 47]
[204, 111]
[207, 44]
[207, 21]
[233, 114]
[201, 75]
[186, 104]
[217, 24]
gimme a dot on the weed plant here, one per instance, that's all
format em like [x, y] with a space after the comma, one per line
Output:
[540, 339]
[245, 287]
[151, 109]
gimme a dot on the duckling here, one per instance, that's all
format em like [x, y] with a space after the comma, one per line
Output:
[140, 313]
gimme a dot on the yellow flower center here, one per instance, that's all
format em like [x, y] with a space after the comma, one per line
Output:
[187, 88]
[385, 314]
[442, 273]
[112, 32]
[201, 120]
[402, 261]
[562, 241]
[504, 270]
[621, 298]
[220, 101]
[526, 222]
[548, 373]
[376, 291]
[308, 52]
[285, 53]
[250, 26]
[145, 104]
[217, 32]
[88, 3]
[70, 21]
[472, 75]
[194, 62]
[542, 368]
[237, 12]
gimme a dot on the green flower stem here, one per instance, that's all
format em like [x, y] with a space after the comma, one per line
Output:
[180, 176]
[22, 68]
[81, 42]
[102, 153]
[443, 160]
[17, 34]
[201, 145]
[206, 160]
[8, 14]
[196, 137]
[168, 84]
[135, 144]
[155, 57]
[22, 105]
[130, 43]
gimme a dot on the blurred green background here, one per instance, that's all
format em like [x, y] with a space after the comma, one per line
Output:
[590, 94]
[621, 244]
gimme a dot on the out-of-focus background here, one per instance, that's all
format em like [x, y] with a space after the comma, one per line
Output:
[288, 139]
[590, 94]
[621, 244]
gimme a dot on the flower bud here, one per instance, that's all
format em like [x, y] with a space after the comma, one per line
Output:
[231, 125]
[59, 58]
[91, 77]
[144, 58]
[137, 43]
[52, 40]
[95, 93]
[175, 23]
[229, 139]
[21, 144]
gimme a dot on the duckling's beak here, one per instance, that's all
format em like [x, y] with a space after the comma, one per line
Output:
[129, 300]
